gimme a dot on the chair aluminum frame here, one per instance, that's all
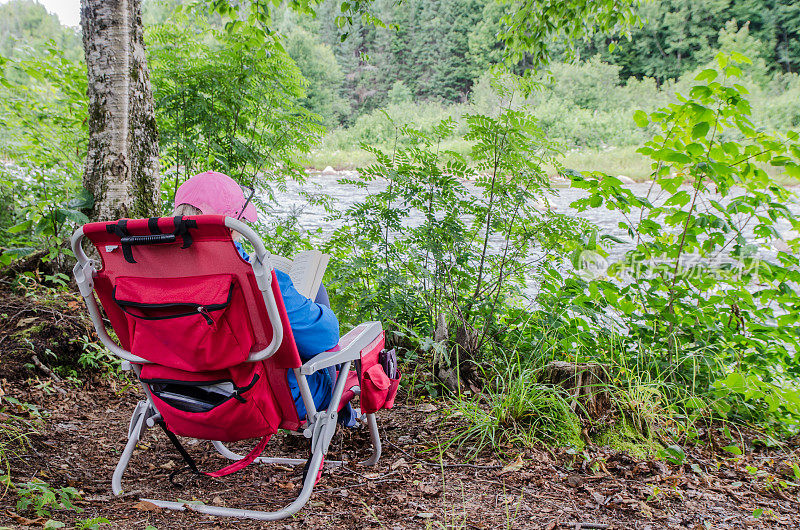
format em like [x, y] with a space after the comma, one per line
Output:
[320, 426]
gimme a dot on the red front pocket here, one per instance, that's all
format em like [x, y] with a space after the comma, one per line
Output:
[195, 323]
[223, 405]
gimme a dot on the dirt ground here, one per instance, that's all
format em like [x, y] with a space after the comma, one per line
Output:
[82, 430]
[411, 487]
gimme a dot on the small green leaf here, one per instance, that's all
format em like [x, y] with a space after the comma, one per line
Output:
[674, 156]
[21, 227]
[709, 74]
[74, 215]
[700, 129]
[732, 449]
[82, 201]
[640, 117]
[673, 454]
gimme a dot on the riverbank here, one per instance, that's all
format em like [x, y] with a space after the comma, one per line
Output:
[415, 485]
[73, 427]
[613, 161]
[617, 161]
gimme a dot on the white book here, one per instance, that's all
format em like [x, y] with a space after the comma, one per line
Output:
[305, 269]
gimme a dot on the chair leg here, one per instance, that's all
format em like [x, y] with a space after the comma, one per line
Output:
[135, 429]
[294, 507]
[375, 437]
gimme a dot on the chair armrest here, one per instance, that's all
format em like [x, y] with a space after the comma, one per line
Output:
[350, 345]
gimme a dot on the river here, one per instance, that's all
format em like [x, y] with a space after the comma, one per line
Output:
[313, 217]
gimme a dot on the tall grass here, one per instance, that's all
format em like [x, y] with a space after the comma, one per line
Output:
[15, 429]
[515, 411]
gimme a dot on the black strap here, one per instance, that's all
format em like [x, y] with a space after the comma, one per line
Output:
[238, 465]
[177, 443]
[121, 230]
[182, 227]
[152, 225]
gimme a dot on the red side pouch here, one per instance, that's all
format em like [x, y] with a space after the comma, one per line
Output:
[378, 391]
[225, 405]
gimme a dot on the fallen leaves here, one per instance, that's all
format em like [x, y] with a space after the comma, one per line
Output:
[398, 463]
[24, 322]
[39, 521]
[430, 490]
[146, 506]
[516, 465]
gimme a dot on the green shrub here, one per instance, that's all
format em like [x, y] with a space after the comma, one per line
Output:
[693, 291]
[517, 412]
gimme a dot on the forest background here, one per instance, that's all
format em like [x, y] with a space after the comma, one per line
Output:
[434, 59]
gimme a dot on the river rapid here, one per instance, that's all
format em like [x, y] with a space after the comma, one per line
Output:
[313, 217]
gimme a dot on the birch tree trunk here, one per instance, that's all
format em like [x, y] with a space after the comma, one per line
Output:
[122, 160]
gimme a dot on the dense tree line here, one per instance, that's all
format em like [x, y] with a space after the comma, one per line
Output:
[679, 35]
[438, 49]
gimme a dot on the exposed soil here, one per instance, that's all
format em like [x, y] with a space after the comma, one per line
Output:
[82, 432]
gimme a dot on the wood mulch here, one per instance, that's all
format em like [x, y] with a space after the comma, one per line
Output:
[413, 486]
[83, 423]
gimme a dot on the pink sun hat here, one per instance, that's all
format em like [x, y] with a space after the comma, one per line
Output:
[217, 194]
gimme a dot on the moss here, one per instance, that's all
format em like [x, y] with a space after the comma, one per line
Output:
[623, 437]
[33, 330]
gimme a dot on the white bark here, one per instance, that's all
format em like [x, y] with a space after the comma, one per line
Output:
[122, 159]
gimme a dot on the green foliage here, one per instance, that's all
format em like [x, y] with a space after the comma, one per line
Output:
[228, 101]
[323, 74]
[694, 284]
[93, 523]
[517, 412]
[478, 226]
[26, 28]
[531, 26]
[39, 497]
[95, 357]
[674, 454]
[44, 136]
[399, 94]
[680, 35]
[624, 437]
[19, 421]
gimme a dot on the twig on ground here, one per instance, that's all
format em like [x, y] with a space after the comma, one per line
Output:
[365, 477]
[52, 375]
[495, 483]
[358, 484]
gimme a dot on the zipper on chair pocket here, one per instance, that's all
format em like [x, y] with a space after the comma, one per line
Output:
[192, 308]
[209, 320]
[198, 396]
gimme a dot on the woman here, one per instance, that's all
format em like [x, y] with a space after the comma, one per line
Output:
[314, 325]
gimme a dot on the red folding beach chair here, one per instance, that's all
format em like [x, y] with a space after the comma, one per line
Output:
[207, 335]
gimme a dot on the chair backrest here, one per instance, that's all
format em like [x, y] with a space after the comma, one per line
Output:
[178, 294]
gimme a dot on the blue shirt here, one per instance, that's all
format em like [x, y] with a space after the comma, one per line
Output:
[315, 329]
